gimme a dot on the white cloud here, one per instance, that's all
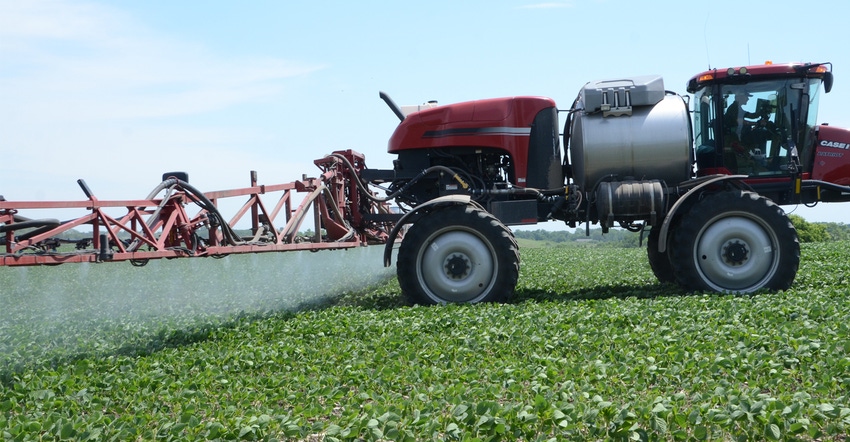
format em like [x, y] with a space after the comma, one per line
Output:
[88, 91]
[57, 19]
[102, 64]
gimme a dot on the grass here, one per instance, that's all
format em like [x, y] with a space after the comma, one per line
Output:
[592, 349]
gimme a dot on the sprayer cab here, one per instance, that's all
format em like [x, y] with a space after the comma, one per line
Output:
[761, 121]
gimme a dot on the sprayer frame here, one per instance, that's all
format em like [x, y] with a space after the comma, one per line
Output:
[166, 229]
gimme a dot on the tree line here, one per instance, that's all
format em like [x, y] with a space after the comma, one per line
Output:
[807, 232]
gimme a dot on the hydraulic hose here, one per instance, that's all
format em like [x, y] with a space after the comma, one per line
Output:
[198, 198]
[480, 192]
[368, 194]
[208, 205]
[38, 226]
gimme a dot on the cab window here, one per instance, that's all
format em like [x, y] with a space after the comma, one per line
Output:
[756, 126]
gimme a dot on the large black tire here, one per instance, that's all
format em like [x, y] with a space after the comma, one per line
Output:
[459, 254]
[659, 262]
[735, 241]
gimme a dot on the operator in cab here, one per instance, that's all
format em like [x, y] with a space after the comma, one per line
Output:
[751, 135]
[735, 117]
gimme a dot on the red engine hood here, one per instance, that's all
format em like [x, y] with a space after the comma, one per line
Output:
[496, 122]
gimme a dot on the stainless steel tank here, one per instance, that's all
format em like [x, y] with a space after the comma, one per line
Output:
[653, 143]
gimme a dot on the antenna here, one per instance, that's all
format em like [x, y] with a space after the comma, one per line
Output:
[705, 37]
[748, 54]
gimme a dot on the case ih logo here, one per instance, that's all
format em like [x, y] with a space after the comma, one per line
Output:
[835, 144]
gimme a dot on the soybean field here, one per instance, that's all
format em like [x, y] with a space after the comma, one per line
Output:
[322, 347]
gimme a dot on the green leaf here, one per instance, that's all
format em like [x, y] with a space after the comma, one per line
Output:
[245, 431]
[459, 411]
[701, 432]
[333, 430]
[796, 428]
[659, 424]
[694, 417]
[826, 408]
[67, 431]
[772, 432]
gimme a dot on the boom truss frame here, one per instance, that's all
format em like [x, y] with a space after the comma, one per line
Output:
[161, 226]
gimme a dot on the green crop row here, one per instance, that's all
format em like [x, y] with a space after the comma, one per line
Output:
[593, 348]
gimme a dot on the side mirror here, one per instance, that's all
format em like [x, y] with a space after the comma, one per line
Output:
[827, 82]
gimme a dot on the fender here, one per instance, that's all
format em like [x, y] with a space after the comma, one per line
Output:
[418, 212]
[665, 226]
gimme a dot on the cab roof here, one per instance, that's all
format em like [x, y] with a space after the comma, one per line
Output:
[768, 69]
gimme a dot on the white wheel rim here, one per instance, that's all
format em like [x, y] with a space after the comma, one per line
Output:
[456, 266]
[736, 253]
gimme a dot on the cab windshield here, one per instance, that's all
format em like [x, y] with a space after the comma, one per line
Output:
[750, 128]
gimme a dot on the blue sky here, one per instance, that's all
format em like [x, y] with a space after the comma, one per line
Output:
[118, 92]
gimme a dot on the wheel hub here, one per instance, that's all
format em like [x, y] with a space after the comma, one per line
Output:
[457, 266]
[735, 252]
